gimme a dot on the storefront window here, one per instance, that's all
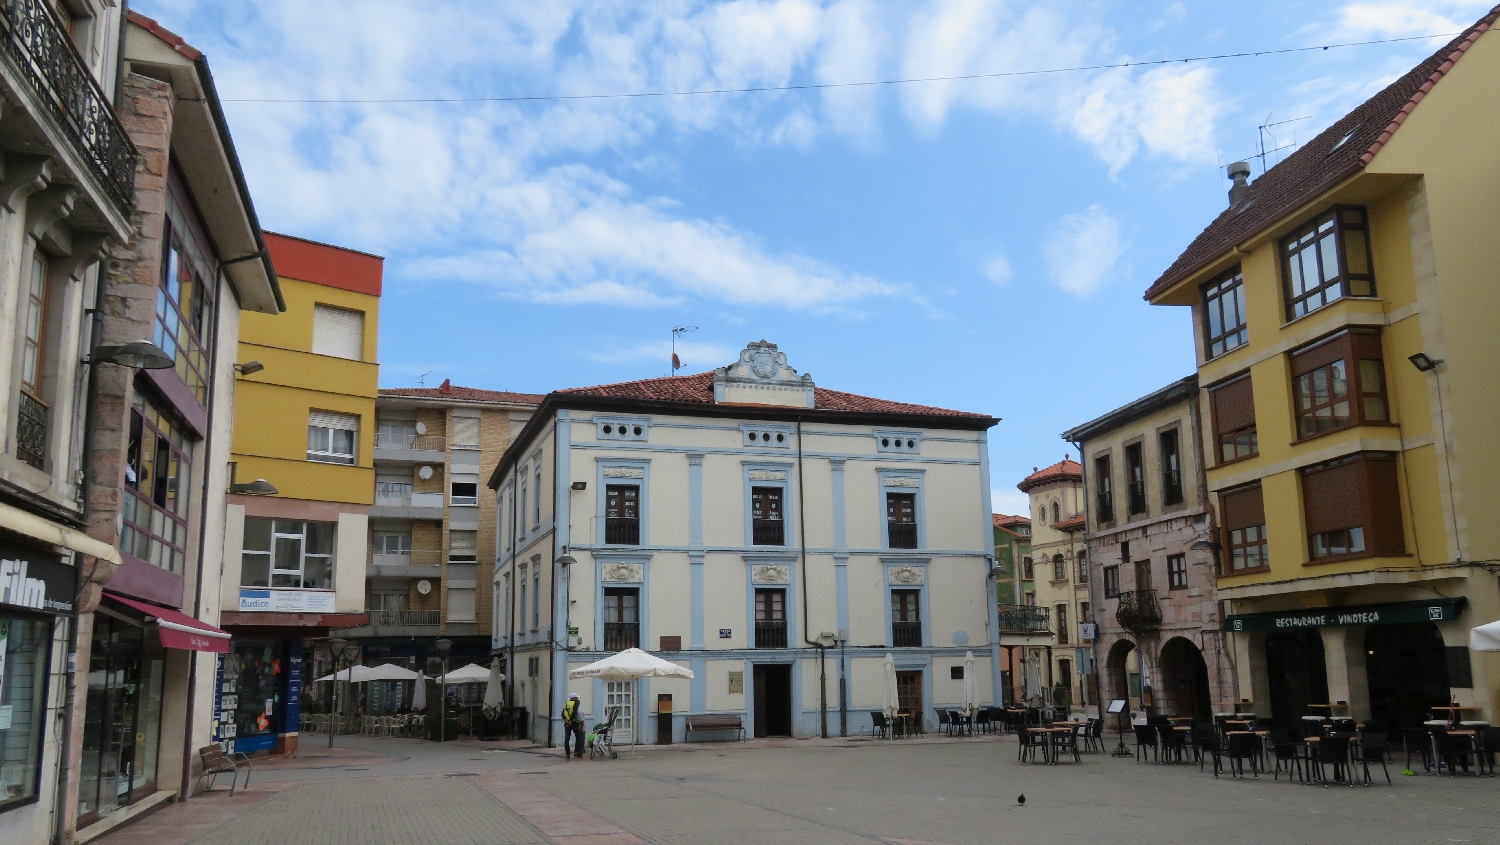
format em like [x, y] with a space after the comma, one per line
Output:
[158, 465]
[24, 646]
[122, 719]
[255, 687]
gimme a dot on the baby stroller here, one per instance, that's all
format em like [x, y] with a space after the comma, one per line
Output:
[601, 739]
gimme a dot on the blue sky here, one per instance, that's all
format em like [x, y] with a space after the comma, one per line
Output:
[980, 244]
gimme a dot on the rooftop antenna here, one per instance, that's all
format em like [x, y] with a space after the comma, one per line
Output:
[422, 379]
[679, 331]
[1265, 129]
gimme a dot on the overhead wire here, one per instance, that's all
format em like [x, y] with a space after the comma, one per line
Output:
[815, 86]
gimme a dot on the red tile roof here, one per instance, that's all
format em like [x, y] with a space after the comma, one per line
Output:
[1076, 523]
[171, 38]
[1065, 470]
[1001, 520]
[465, 394]
[699, 389]
[1342, 150]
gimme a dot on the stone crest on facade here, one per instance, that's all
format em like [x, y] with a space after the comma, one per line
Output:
[624, 572]
[762, 376]
[907, 575]
[768, 475]
[770, 573]
[902, 481]
[624, 472]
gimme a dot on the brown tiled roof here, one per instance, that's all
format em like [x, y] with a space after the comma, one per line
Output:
[1076, 523]
[700, 389]
[1066, 469]
[464, 394]
[1342, 150]
[1001, 520]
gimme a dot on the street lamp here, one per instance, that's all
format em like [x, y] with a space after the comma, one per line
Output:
[138, 355]
[443, 646]
[258, 487]
[1427, 364]
[338, 648]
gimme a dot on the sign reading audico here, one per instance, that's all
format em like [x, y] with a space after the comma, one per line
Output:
[35, 580]
[286, 601]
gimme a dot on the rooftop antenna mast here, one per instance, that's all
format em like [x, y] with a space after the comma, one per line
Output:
[422, 379]
[679, 331]
[1265, 129]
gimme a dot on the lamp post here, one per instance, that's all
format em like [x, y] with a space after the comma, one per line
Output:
[337, 650]
[443, 646]
[1427, 364]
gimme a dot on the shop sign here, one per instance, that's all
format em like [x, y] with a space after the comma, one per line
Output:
[286, 601]
[36, 580]
[1394, 613]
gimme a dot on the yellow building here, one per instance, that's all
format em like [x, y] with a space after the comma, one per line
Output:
[1343, 308]
[295, 559]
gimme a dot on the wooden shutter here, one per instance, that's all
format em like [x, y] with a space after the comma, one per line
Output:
[1382, 494]
[327, 419]
[338, 332]
[1320, 354]
[1233, 405]
[1242, 508]
[466, 432]
[461, 605]
[1331, 497]
[463, 542]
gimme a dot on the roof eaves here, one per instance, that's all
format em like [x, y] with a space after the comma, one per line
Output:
[1442, 70]
[1178, 391]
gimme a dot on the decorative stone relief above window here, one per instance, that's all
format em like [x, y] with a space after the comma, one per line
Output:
[902, 481]
[608, 428]
[898, 441]
[624, 572]
[907, 575]
[768, 475]
[624, 472]
[770, 574]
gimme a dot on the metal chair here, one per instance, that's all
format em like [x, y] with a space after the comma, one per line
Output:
[1333, 749]
[1289, 752]
[1030, 741]
[1145, 737]
[1173, 743]
[1242, 747]
[945, 723]
[1371, 749]
[879, 725]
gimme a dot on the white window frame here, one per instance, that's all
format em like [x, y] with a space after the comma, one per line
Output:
[327, 316]
[301, 536]
[320, 428]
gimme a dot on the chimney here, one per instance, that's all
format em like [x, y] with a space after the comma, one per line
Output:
[446, 388]
[1239, 172]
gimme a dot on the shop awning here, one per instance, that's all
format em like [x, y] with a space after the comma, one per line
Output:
[22, 522]
[178, 630]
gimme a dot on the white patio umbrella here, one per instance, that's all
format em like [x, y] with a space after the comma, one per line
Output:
[471, 674]
[493, 694]
[1485, 637]
[892, 701]
[360, 674]
[632, 664]
[971, 686]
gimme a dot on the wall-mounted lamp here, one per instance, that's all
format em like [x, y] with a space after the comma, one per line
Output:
[566, 560]
[258, 487]
[139, 355]
[249, 368]
[1205, 546]
[1424, 362]
[580, 485]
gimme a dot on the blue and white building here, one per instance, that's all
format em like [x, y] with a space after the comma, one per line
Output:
[776, 537]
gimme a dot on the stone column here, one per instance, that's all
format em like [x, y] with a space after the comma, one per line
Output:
[1344, 657]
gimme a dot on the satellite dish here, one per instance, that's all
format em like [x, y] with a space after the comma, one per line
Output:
[421, 428]
[424, 586]
[424, 473]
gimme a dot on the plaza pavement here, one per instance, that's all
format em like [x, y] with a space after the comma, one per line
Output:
[937, 790]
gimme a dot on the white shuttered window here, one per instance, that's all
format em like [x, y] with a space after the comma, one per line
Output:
[461, 605]
[466, 432]
[338, 332]
[331, 437]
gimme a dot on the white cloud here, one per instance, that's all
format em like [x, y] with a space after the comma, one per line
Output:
[1084, 251]
[998, 270]
[695, 356]
[1401, 19]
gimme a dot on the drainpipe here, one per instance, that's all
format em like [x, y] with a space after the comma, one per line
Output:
[552, 593]
[802, 552]
[510, 663]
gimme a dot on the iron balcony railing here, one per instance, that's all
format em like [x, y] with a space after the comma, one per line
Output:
[1025, 619]
[770, 634]
[61, 79]
[619, 636]
[767, 532]
[622, 531]
[903, 535]
[1138, 610]
[403, 617]
[410, 440]
[31, 431]
[906, 634]
[1137, 497]
[1171, 487]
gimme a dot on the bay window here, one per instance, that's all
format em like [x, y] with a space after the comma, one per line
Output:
[1327, 260]
[158, 464]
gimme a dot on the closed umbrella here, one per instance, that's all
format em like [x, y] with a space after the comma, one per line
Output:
[1485, 637]
[493, 694]
[971, 687]
[419, 695]
[892, 700]
[632, 664]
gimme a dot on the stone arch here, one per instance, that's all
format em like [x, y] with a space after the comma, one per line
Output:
[1116, 676]
[1184, 675]
[1407, 671]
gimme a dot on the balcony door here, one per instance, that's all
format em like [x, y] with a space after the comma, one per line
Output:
[622, 618]
[901, 520]
[906, 618]
[622, 515]
[765, 517]
[770, 618]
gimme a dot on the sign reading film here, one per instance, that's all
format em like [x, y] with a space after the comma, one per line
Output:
[36, 580]
[1393, 613]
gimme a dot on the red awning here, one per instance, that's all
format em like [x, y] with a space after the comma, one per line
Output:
[178, 630]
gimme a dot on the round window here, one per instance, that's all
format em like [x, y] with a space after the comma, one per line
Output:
[609, 429]
[638, 431]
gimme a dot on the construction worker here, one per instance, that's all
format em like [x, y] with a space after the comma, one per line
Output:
[572, 727]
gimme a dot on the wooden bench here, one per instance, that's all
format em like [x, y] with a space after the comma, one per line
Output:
[217, 762]
[714, 722]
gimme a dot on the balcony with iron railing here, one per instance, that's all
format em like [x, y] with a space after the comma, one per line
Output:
[404, 618]
[1025, 619]
[770, 633]
[46, 57]
[902, 535]
[1137, 490]
[619, 636]
[31, 431]
[398, 444]
[622, 531]
[1138, 610]
[767, 532]
[906, 634]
